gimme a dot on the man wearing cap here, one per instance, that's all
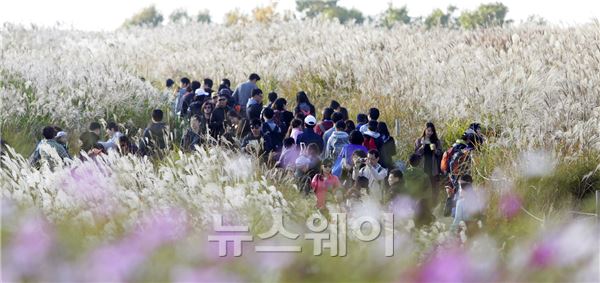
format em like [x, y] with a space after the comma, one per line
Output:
[206, 89]
[309, 136]
[243, 92]
[62, 139]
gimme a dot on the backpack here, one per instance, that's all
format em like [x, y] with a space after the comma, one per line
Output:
[338, 145]
[445, 163]
[459, 162]
[154, 144]
[322, 129]
[304, 108]
[453, 159]
[370, 143]
[271, 137]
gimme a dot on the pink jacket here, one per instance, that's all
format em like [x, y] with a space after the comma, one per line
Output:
[322, 186]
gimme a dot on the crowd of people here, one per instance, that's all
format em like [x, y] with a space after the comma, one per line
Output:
[333, 157]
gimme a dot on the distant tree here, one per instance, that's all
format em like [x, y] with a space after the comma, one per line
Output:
[179, 16]
[203, 17]
[344, 15]
[234, 17]
[371, 19]
[147, 17]
[438, 18]
[329, 10]
[265, 14]
[486, 15]
[313, 8]
[392, 15]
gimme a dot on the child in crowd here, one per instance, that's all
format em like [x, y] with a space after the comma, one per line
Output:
[288, 156]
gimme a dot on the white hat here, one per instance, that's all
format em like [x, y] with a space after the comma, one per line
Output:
[200, 92]
[310, 120]
[61, 134]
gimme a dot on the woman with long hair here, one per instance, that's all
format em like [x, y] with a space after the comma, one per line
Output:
[429, 148]
[303, 105]
[207, 109]
[282, 117]
[388, 147]
[350, 126]
[192, 136]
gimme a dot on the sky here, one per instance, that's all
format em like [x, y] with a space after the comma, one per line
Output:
[110, 14]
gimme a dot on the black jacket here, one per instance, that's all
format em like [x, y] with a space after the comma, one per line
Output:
[387, 151]
[272, 136]
[217, 121]
[154, 140]
[88, 140]
[253, 112]
[189, 140]
[283, 119]
[309, 136]
[187, 100]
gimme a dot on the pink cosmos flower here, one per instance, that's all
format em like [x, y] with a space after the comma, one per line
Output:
[510, 205]
[542, 255]
[116, 262]
[31, 244]
[445, 265]
[403, 207]
[209, 274]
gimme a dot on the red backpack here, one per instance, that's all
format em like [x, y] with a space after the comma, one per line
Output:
[445, 163]
[369, 143]
[454, 160]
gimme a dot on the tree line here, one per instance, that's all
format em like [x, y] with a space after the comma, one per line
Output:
[486, 15]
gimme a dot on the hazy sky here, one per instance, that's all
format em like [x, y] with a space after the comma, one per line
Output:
[110, 14]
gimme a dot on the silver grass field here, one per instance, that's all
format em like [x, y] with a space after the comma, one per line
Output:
[535, 90]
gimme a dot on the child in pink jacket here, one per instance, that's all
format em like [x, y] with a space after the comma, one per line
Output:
[323, 182]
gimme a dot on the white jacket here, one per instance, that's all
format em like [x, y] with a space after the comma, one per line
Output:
[376, 175]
